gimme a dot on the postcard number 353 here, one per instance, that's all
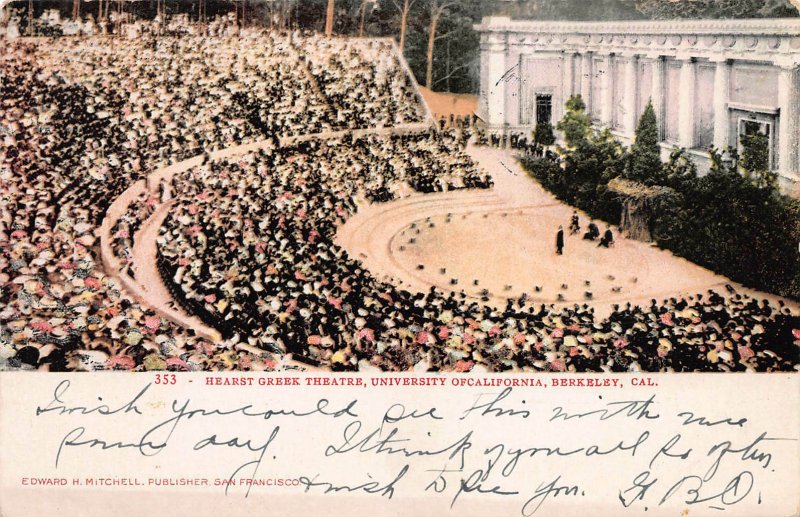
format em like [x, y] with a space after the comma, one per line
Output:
[166, 378]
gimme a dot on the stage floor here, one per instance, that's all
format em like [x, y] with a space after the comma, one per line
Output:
[503, 241]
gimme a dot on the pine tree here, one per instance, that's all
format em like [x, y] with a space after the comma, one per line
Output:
[644, 163]
[576, 124]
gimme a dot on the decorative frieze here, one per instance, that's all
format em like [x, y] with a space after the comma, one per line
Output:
[760, 39]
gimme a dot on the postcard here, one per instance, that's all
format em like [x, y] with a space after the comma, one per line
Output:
[399, 257]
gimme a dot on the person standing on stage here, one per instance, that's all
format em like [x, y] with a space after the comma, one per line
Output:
[560, 241]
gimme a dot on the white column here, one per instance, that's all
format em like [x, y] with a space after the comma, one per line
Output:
[496, 65]
[485, 80]
[657, 93]
[631, 100]
[577, 73]
[587, 76]
[568, 70]
[568, 85]
[722, 81]
[686, 103]
[788, 138]
[607, 101]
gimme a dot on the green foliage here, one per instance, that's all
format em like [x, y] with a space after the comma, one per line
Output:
[592, 161]
[724, 221]
[644, 164]
[543, 134]
[668, 9]
[680, 170]
[456, 54]
[718, 164]
[576, 124]
[755, 160]
[730, 225]
[570, 9]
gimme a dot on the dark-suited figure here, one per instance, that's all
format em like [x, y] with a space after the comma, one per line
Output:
[592, 233]
[575, 224]
[608, 238]
[560, 241]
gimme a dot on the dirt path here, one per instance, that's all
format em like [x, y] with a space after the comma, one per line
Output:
[147, 287]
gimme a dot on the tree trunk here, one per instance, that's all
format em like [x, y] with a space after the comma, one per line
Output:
[329, 19]
[447, 67]
[363, 18]
[76, 9]
[431, 42]
[635, 221]
[403, 25]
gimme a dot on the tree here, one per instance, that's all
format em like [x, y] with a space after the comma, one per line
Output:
[275, 14]
[576, 124]
[755, 160]
[668, 9]
[404, 9]
[644, 163]
[365, 5]
[719, 165]
[30, 17]
[456, 60]
[437, 9]
[680, 170]
[543, 134]
[329, 18]
[594, 161]
[569, 9]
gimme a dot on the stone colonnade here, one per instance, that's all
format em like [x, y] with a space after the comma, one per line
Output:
[703, 77]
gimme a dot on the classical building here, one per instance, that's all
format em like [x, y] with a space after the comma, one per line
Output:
[710, 81]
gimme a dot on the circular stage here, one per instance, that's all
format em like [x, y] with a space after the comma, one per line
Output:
[504, 253]
[500, 244]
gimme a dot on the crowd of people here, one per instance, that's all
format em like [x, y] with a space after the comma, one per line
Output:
[515, 141]
[81, 119]
[249, 244]
[372, 72]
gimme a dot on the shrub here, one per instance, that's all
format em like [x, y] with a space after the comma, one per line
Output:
[736, 224]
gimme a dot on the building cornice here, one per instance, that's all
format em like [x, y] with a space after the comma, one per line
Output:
[759, 26]
[759, 40]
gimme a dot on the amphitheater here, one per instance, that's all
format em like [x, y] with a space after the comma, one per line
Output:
[505, 239]
[266, 201]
